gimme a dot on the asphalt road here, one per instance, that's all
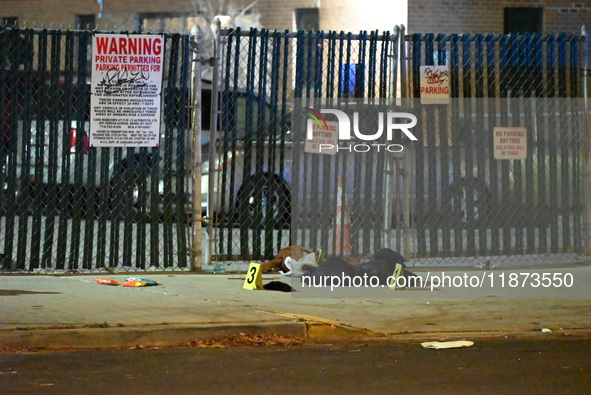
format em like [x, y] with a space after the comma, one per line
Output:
[495, 366]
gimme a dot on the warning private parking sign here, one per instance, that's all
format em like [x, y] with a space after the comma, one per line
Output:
[126, 90]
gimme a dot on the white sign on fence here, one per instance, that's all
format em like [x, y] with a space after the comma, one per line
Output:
[126, 90]
[510, 142]
[325, 137]
[434, 84]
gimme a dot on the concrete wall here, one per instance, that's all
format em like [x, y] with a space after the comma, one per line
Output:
[486, 16]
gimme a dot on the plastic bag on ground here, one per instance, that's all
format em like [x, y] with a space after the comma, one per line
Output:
[295, 267]
[106, 281]
[138, 282]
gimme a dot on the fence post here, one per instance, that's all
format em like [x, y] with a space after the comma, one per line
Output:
[213, 168]
[395, 64]
[586, 150]
[392, 162]
[402, 67]
[408, 155]
[196, 247]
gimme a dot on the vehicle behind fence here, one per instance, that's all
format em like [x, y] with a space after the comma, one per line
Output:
[470, 204]
[446, 199]
[67, 206]
[274, 194]
[443, 199]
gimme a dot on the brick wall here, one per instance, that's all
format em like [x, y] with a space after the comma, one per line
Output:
[356, 15]
[347, 15]
[437, 16]
[47, 12]
[122, 13]
[486, 16]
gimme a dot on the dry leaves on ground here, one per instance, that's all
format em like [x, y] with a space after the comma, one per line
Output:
[242, 339]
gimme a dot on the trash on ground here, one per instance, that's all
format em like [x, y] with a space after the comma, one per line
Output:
[382, 267]
[106, 281]
[383, 264]
[138, 282]
[294, 252]
[278, 286]
[450, 344]
[297, 267]
[485, 265]
[546, 330]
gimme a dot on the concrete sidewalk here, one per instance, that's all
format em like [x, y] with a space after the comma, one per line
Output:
[56, 311]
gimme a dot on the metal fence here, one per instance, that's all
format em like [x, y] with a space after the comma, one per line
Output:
[272, 194]
[469, 204]
[446, 199]
[66, 206]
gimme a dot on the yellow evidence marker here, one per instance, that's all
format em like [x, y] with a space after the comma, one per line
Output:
[395, 275]
[254, 277]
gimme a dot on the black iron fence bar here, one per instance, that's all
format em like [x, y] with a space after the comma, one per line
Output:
[495, 37]
[295, 35]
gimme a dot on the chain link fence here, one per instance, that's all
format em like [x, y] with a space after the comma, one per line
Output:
[270, 194]
[277, 170]
[344, 189]
[445, 199]
[472, 208]
[66, 206]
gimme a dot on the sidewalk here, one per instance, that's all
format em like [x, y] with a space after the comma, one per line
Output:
[55, 311]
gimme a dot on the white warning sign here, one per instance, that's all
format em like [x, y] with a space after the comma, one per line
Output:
[323, 137]
[126, 90]
[510, 143]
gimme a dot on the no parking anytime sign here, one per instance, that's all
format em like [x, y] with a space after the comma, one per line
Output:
[126, 90]
[510, 143]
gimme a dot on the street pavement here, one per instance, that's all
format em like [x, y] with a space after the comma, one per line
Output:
[554, 365]
[73, 311]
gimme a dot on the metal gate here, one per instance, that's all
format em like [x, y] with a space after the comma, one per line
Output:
[446, 200]
[472, 206]
[65, 206]
[270, 193]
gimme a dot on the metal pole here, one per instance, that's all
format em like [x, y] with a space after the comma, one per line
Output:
[399, 201]
[388, 206]
[403, 76]
[409, 153]
[586, 150]
[395, 68]
[212, 134]
[392, 163]
[197, 247]
[406, 225]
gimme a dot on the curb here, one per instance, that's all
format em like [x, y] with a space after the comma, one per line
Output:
[160, 335]
[177, 335]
